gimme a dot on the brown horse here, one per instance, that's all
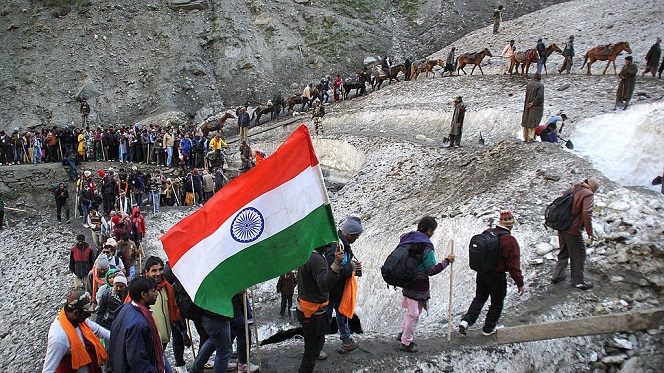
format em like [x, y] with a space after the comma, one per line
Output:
[258, 113]
[474, 59]
[530, 56]
[215, 124]
[426, 67]
[380, 76]
[605, 53]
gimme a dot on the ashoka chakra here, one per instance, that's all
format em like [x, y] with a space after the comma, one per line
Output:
[248, 225]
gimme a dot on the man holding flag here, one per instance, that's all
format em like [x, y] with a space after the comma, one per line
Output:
[261, 225]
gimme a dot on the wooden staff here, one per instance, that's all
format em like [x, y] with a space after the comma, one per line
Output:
[193, 351]
[449, 308]
[13, 209]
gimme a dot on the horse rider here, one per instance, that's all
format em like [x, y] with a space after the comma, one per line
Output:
[386, 64]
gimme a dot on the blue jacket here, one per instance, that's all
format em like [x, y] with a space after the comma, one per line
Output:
[243, 120]
[186, 145]
[131, 345]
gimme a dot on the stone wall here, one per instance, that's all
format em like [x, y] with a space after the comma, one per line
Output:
[21, 178]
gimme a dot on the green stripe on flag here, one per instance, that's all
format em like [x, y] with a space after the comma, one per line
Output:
[283, 252]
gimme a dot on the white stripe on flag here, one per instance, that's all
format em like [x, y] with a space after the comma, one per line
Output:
[280, 207]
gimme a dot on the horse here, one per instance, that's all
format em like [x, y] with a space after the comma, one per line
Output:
[260, 110]
[426, 67]
[215, 124]
[474, 59]
[530, 56]
[297, 99]
[357, 84]
[605, 53]
[380, 77]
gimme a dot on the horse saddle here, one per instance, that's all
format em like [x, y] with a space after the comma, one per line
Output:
[470, 56]
[604, 49]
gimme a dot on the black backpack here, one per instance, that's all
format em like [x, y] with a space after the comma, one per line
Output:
[484, 251]
[400, 268]
[558, 214]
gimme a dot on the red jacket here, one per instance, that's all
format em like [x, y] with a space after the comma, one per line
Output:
[138, 220]
[511, 256]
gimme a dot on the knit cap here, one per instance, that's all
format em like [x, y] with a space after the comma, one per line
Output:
[102, 262]
[352, 225]
[506, 218]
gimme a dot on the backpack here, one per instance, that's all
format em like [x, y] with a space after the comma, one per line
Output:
[558, 214]
[484, 251]
[400, 268]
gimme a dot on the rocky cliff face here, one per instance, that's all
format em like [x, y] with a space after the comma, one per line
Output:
[134, 59]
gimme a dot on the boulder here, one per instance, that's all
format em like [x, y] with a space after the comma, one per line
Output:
[615, 359]
[619, 206]
[543, 248]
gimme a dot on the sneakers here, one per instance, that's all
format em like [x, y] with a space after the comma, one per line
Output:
[399, 337]
[410, 348]
[322, 355]
[247, 368]
[463, 327]
[487, 332]
[584, 286]
[68, 221]
[347, 347]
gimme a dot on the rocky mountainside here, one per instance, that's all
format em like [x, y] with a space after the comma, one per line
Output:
[135, 59]
[388, 148]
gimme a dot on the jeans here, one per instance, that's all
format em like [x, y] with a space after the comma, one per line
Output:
[138, 199]
[219, 341]
[237, 331]
[169, 159]
[342, 321]
[84, 209]
[490, 284]
[305, 101]
[36, 155]
[314, 329]
[154, 196]
[540, 65]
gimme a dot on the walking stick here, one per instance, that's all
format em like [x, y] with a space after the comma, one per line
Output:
[62, 156]
[258, 345]
[449, 308]
[193, 351]
[246, 326]
[103, 153]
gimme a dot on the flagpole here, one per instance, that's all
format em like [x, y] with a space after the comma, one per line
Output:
[449, 308]
[258, 345]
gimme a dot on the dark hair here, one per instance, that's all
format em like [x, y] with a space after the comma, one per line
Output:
[426, 223]
[139, 285]
[153, 260]
[124, 236]
[630, 58]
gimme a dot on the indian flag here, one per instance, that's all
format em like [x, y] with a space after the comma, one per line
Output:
[259, 226]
